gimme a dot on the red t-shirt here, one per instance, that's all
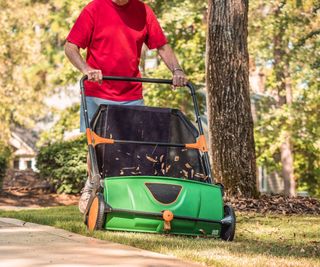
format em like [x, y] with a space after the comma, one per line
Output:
[113, 36]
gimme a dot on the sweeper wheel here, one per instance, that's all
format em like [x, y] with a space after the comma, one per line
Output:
[228, 230]
[96, 215]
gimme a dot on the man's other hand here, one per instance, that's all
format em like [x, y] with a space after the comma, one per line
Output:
[179, 78]
[94, 75]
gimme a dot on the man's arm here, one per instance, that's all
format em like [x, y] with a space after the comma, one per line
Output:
[170, 59]
[73, 54]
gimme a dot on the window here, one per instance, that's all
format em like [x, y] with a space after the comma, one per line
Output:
[263, 184]
[29, 164]
[16, 164]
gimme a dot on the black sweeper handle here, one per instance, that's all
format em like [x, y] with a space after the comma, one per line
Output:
[149, 80]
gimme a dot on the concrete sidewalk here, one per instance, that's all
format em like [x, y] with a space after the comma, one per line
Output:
[27, 244]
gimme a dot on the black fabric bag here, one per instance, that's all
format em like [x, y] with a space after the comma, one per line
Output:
[141, 123]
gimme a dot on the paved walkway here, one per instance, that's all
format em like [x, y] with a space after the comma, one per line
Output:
[27, 244]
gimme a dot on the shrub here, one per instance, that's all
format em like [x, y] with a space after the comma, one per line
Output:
[3, 168]
[4, 158]
[63, 164]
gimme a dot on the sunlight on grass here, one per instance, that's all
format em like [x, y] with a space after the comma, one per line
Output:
[261, 240]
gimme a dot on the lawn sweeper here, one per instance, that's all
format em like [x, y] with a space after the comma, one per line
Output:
[151, 171]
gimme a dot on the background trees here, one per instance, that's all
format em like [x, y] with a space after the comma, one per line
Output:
[23, 65]
[288, 54]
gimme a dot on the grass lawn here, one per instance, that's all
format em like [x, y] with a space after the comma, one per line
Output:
[261, 240]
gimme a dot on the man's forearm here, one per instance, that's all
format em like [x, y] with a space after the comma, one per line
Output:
[73, 54]
[166, 53]
[169, 58]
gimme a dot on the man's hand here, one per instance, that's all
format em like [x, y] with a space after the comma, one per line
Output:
[93, 75]
[179, 78]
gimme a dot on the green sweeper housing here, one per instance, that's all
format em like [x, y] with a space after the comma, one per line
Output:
[151, 172]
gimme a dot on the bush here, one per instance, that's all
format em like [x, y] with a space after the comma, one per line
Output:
[5, 154]
[63, 164]
[3, 168]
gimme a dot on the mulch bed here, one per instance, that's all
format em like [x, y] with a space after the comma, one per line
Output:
[33, 199]
[277, 204]
[26, 189]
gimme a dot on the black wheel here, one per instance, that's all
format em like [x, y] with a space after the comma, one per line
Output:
[228, 230]
[96, 215]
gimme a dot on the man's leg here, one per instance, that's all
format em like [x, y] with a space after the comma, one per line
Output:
[93, 104]
[86, 190]
[88, 187]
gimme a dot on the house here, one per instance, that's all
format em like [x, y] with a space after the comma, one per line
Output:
[22, 142]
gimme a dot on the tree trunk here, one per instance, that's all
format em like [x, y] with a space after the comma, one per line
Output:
[287, 167]
[231, 138]
[283, 86]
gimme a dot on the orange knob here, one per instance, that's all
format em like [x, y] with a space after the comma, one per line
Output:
[167, 215]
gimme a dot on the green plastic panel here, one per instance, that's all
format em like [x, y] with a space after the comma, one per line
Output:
[196, 200]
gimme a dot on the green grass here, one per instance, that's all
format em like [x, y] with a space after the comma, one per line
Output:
[261, 240]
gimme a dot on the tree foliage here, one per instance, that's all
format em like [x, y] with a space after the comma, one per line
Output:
[297, 22]
[68, 121]
[23, 65]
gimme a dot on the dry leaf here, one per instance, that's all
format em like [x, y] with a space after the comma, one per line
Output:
[176, 158]
[168, 168]
[151, 159]
[188, 166]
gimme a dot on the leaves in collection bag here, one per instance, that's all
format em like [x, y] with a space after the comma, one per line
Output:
[151, 159]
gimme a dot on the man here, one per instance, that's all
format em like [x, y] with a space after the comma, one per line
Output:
[113, 32]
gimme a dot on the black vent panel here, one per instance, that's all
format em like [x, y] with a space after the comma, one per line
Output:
[164, 193]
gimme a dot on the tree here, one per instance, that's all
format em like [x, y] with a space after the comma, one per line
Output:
[230, 120]
[289, 52]
[23, 66]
